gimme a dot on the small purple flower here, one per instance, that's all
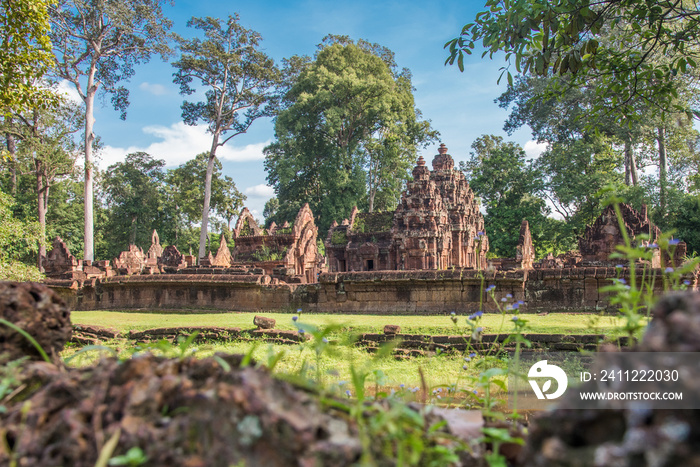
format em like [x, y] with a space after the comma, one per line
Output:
[504, 299]
[298, 310]
[686, 282]
[438, 396]
[514, 318]
[619, 266]
[480, 234]
[294, 318]
[516, 306]
[301, 331]
[402, 385]
[452, 313]
[416, 389]
[668, 270]
[348, 393]
[653, 245]
[622, 281]
[520, 303]
[472, 355]
[475, 392]
[674, 241]
[509, 295]
[324, 340]
[490, 288]
[341, 383]
[478, 314]
[465, 367]
[467, 359]
[479, 329]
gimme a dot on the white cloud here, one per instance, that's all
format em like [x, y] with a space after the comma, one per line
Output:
[155, 89]
[260, 191]
[533, 149]
[67, 89]
[179, 143]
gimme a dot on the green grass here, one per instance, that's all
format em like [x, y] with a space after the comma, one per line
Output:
[553, 323]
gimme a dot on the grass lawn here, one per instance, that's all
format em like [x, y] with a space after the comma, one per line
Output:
[553, 323]
[333, 365]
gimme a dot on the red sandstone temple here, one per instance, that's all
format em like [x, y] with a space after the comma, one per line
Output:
[437, 225]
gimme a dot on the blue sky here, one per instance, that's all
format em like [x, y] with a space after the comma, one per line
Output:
[459, 105]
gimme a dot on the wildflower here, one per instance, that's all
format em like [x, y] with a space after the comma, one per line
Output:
[514, 318]
[674, 241]
[467, 359]
[452, 313]
[668, 270]
[520, 302]
[686, 282]
[653, 245]
[415, 389]
[465, 367]
[619, 266]
[509, 295]
[298, 310]
[472, 355]
[478, 314]
[347, 393]
[438, 396]
[474, 391]
[504, 299]
[301, 331]
[341, 383]
[479, 329]
[402, 385]
[294, 318]
[480, 234]
[490, 288]
[324, 340]
[622, 281]
[515, 306]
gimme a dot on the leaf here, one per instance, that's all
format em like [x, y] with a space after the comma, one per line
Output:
[547, 385]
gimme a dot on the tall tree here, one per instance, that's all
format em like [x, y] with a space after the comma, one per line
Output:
[96, 46]
[240, 83]
[47, 150]
[348, 133]
[25, 55]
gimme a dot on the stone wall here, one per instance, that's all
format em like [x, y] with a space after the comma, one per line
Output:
[392, 292]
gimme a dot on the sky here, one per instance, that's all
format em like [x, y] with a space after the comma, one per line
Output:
[459, 105]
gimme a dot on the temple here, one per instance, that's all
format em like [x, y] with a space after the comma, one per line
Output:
[437, 225]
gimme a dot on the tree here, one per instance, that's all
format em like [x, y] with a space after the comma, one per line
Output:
[47, 150]
[25, 55]
[347, 134]
[240, 83]
[498, 173]
[135, 196]
[96, 46]
[619, 43]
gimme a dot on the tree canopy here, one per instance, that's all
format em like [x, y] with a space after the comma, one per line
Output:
[347, 134]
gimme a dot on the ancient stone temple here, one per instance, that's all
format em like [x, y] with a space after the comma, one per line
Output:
[600, 238]
[437, 225]
[289, 252]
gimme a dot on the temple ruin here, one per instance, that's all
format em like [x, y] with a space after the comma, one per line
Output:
[437, 225]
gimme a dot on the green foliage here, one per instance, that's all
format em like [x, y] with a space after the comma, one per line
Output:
[25, 55]
[630, 51]
[339, 238]
[187, 183]
[18, 239]
[498, 173]
[347, 135]
[134, 194]
[265, 253]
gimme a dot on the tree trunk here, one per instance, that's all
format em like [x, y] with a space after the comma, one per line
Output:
[207, 197]
[89, 250]
[663, 170]
[41, 211]
[12, 150]
[631, 162]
